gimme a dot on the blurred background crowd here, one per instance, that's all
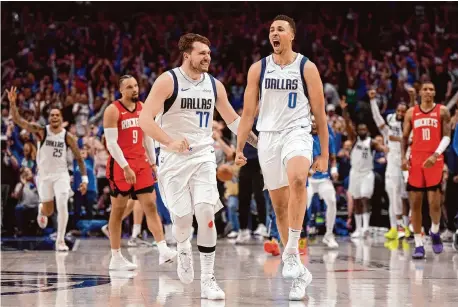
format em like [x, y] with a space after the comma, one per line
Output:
[71, 55]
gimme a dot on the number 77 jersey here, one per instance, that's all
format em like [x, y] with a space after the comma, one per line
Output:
[283, 100]
[188, 113]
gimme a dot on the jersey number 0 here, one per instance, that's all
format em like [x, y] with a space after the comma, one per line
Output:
[292, 100]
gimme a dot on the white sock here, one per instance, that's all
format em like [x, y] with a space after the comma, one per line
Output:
[358, 221]
[184, 245]
[292, 247]
[116, 253]
[418, 240]
[434, 228]
[366, 219]
[207, 263]
[162, 246]
[136, 230]
[62, 216]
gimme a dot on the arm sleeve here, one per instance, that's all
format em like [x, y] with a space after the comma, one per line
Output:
[150, 149]
[111, 136]
[378, 119]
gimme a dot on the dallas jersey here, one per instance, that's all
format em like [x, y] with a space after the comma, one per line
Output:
[394, 155]
[283, 95]
[188, 113]
[317, 152]
[52, 153]
[361, 158]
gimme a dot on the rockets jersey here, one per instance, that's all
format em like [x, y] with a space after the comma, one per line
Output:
[283, 101]
[130, 135]
[427, 129]
[52, 153]
[361, 158]
[188, 113]
[395, 129]
[317, 152]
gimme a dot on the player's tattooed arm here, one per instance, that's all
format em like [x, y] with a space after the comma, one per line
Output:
[17, 119]
[229, 115]
[405, 137]
[445, 118]
[71, 141]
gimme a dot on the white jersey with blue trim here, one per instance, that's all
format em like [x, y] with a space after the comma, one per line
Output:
[188, 113]
[52, 153]
[361, 158]
[283, 102]
[395, 129]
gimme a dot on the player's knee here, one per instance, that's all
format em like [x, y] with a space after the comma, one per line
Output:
[150, 207]
[205, 214]
[298, 181]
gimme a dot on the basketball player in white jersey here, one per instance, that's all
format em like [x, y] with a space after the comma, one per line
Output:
[394, 181]
[287, 85]
[361, 181]
[183, 100]
[53, 177]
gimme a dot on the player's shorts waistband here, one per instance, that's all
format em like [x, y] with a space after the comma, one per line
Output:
[286, 129]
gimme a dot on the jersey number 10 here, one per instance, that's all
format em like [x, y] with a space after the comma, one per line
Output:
[426, 133]
[292, 100]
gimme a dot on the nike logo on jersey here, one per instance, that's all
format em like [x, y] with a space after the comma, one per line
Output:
[122, 113]
[270, 71]
[185, 89]
[212, 151]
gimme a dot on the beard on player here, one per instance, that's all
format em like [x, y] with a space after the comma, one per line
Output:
[200, 64]
[362, 131]
[401, 112]
[134, 97]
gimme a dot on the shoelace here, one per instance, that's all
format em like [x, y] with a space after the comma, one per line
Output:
[291, 260]
[211, 283]
[185, 260]
[297, 284]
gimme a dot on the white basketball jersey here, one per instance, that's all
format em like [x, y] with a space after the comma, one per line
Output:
[361, 158]
[395, 129]
[188, 113]
[52, 153]
[283, 101]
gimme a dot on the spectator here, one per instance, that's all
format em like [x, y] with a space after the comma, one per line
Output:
[27, 195]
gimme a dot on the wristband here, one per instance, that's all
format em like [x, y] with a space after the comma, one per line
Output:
[84, 179]
[443, 145]
[334, 170]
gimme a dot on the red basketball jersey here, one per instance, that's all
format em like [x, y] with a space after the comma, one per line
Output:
[427, 129]
[130, 135]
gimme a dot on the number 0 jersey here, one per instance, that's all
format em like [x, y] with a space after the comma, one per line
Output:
[427, 129]
[52, 153]
[283, 98]
[188, 113]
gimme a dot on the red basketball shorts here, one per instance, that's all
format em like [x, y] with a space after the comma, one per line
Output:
[118, 184]
[421, 177]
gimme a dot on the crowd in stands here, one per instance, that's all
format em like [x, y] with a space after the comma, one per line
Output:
[71, 56]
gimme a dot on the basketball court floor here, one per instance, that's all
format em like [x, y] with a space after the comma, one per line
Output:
[359, 273]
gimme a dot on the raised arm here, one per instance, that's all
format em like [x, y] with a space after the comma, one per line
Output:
[315, 90]
[250, 104]
[378, 119]
[162, 89]
[351, 134]
[17, 119]
[229, 115]
[71, 142]
[405, 137]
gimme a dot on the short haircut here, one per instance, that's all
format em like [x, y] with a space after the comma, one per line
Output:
[288, 19]
[186, 41]
[125, 77]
